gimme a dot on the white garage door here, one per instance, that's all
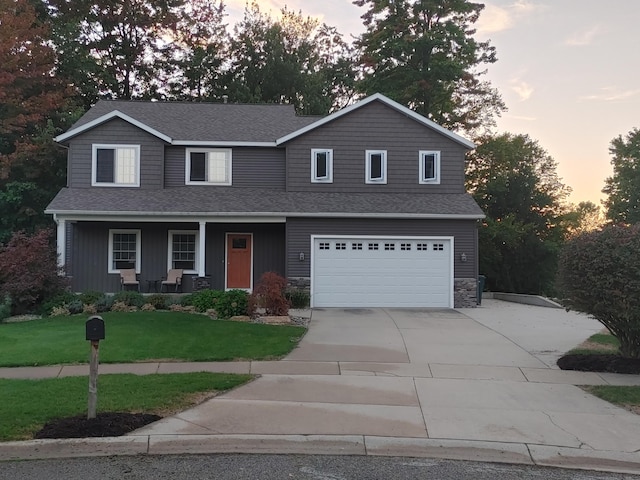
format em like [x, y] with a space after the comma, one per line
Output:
[382, 272]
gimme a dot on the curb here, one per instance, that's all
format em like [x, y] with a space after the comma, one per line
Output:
[469, 450]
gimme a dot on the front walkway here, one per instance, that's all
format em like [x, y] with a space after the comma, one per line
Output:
[406, 382]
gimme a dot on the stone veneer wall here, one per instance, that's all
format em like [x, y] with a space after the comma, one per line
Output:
[465, 292]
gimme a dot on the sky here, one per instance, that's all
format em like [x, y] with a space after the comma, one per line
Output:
[568, 71]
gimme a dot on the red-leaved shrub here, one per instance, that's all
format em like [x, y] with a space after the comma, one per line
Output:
[270, 294]
[29, 272]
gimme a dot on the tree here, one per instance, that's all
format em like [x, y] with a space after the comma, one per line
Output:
[623, 187]
[422, 53]
[584, 217]
[599, 274]
[515, 183]
[291, 60]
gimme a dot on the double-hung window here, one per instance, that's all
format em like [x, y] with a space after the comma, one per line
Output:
[124, 250]
[376, 166]
[183, 250]
[115, 166]
[210, 166]
[321, 165]
[429, 166]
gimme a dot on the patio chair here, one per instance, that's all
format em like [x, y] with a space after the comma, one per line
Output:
[174, 279]
[128, 279]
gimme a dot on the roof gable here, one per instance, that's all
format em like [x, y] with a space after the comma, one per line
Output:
[387, 101]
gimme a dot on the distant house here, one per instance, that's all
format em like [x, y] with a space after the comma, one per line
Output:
[365, 207]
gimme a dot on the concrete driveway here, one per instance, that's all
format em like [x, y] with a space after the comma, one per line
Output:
[423, 382]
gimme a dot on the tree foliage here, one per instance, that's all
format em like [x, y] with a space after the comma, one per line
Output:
[623, 187]
[515, 183]
[29, 273]
[599, 274]
[422, 53]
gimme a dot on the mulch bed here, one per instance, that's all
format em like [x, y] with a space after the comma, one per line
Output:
[109, 424]
[601, 362]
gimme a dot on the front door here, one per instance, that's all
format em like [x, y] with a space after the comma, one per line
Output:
[239, 260]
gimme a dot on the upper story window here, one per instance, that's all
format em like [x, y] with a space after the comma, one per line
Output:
[429, 166]
[376, 166]
[115, 166]
[183, 250]
[208, 166]
[321, 165]
[124, 250]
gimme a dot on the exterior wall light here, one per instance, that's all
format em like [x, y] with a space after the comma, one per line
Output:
[463, 257]
[301, 257]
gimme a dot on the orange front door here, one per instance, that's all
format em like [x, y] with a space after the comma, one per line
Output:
[239, 260]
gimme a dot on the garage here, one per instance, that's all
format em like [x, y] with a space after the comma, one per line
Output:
[369, 271]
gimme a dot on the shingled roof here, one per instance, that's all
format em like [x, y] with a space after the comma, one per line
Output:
[198, 122]
[192, 201]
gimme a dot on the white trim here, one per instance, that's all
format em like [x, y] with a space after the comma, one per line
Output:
[105, 118]
[228, 165]
[383, 237]
[110, 268]
[314, 165]
[226, 260]
[387, 101]
[203, 248]
[218, 143]
[367, 167]
[61, 240]
[196, 260]
[437, 163]
[115, 147]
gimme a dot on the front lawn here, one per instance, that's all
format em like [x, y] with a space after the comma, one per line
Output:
[143, 336]
[597, 343]
[26, 405]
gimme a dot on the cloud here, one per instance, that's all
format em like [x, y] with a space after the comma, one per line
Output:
[497, 19]
[523, 118]
[522, 89]
[611, 94]
[584, 37]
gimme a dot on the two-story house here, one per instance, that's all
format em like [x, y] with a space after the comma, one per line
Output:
[365, 207]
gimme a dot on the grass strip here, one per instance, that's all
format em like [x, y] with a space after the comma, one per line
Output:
[26, 405]
[625, 396]
[143, 336]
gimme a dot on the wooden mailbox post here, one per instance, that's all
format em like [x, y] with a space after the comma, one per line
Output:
[95, 333]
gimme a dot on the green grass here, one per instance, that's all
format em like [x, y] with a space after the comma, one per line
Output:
[26, 405]
[623, 396]
[598, 343]
[143, 336]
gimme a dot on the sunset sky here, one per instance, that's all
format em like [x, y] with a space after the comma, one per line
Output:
[568, 70]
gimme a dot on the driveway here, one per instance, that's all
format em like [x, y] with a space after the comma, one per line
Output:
[403, 381]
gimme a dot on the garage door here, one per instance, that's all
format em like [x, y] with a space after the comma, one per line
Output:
[382, 272]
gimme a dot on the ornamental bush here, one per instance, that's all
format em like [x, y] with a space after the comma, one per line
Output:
[599, 274]
[270, 294]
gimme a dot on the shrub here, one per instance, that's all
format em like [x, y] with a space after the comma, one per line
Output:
[119, 306]
[232, 303]
[29, 272]
[59, 300]
[270, 294]
[130, 298]
[90, 309]
[90, 297]
[148, 307]
[75, 306]
[5, 308]
[104, 304]
[59, 311]
[297, 298]
[204, 300]
[599, 274]
[158, 301]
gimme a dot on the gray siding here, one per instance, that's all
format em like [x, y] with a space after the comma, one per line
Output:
[90, 253]
[252, 167]
[118, 132]
[375, 127]
[299, 231]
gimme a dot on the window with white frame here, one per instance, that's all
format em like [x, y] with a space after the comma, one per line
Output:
[321, 165]
[376, 166]
[183, 250]
[115, 165]
[209, 166]
[124, 250]
[429, 166]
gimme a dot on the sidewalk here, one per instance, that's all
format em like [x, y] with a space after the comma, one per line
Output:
[417, 383]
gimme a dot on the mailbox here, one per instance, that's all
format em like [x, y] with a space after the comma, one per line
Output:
[95, 328]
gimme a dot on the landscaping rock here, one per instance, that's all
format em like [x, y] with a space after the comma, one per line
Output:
[240, 318]
[276, 320]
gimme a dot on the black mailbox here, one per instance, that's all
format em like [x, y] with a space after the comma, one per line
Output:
[95, 328]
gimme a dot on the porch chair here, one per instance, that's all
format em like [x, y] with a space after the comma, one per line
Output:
[128, 279]
[174, 278]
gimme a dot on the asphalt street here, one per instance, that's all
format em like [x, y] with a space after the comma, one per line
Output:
[279, 467]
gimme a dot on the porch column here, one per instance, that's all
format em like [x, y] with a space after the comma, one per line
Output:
[61, 241]
[201, 249]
